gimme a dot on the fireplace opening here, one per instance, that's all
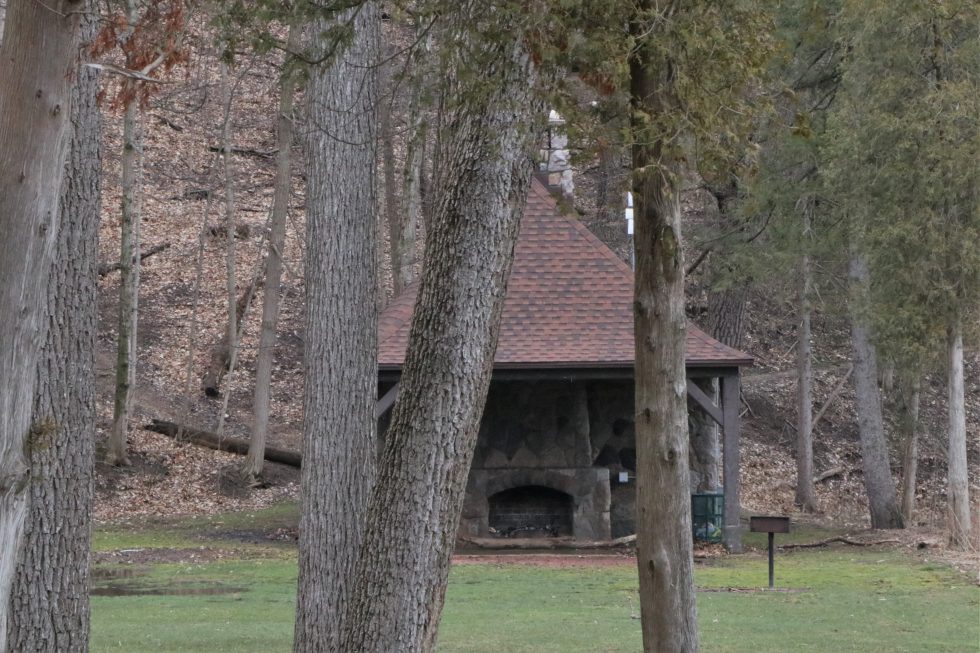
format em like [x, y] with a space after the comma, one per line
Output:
[530, 511]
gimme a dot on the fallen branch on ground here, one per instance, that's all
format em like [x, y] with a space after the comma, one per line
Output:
[106, 268]
[832, 540]
[220, 361]
[247, 151]
[212, 441]
[547, 542]
[830, 473]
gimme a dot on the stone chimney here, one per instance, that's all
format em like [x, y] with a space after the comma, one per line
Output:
[555, 160]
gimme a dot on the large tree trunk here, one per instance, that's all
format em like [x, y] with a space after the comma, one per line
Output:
[726, 315]
[663, 501]
[397, 597]
[128, 315]
[910, 456]
[806, 496]
[339, 444]
[958, 492]
[273, 272]
[874, 449]
[726, 306]
[39, 52]
[50, 595]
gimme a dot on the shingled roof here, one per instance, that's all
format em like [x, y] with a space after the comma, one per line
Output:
[569, 303]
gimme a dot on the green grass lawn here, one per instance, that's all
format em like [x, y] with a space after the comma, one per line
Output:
[848, 600]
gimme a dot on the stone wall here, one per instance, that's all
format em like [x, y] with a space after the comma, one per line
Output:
[563, 435]
[576, 437]
[534, 424]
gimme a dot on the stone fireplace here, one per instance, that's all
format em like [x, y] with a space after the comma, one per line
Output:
[530, 511]
[537, 503]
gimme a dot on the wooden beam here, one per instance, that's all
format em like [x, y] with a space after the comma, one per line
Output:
[386, 401]
[391, 374]
[701, 398]
[731, 531]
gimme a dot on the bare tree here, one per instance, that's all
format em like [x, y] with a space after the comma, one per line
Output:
[396, 599]
[806, 496]
[404, 227]
[909, 421]
[127, 355]
[39, 45]
[117, 452]
[273, 271]
[50, 596]
[340, 358]
[958, 491]
[874, 449]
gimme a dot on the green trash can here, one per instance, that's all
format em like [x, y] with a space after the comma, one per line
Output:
[707, 515]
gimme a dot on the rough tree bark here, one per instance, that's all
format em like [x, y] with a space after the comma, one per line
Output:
[128, 312]
[806, 496]
[396, 600]
[663, 502]
[50, 595]
[726, 306]
[35, 84]
[958, 492]
[874, 449]
[273, 272]
[340, 360]
[909, 392]
[726, 315]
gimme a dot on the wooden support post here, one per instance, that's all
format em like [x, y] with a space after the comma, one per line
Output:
[731, 532]
[386, 402]
[701, 398]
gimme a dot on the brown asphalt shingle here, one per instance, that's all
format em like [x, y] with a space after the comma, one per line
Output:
[569, 302]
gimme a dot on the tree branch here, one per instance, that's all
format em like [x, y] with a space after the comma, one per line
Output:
[106, 268]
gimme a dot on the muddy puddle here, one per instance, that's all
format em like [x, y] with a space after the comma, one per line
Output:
[131, 581]
[133, 589]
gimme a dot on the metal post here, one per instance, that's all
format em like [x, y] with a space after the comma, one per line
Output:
[772, 539]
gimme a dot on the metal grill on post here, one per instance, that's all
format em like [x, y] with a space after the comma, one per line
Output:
[769, 524]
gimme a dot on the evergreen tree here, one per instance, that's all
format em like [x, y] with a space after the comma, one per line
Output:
[905, 141]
